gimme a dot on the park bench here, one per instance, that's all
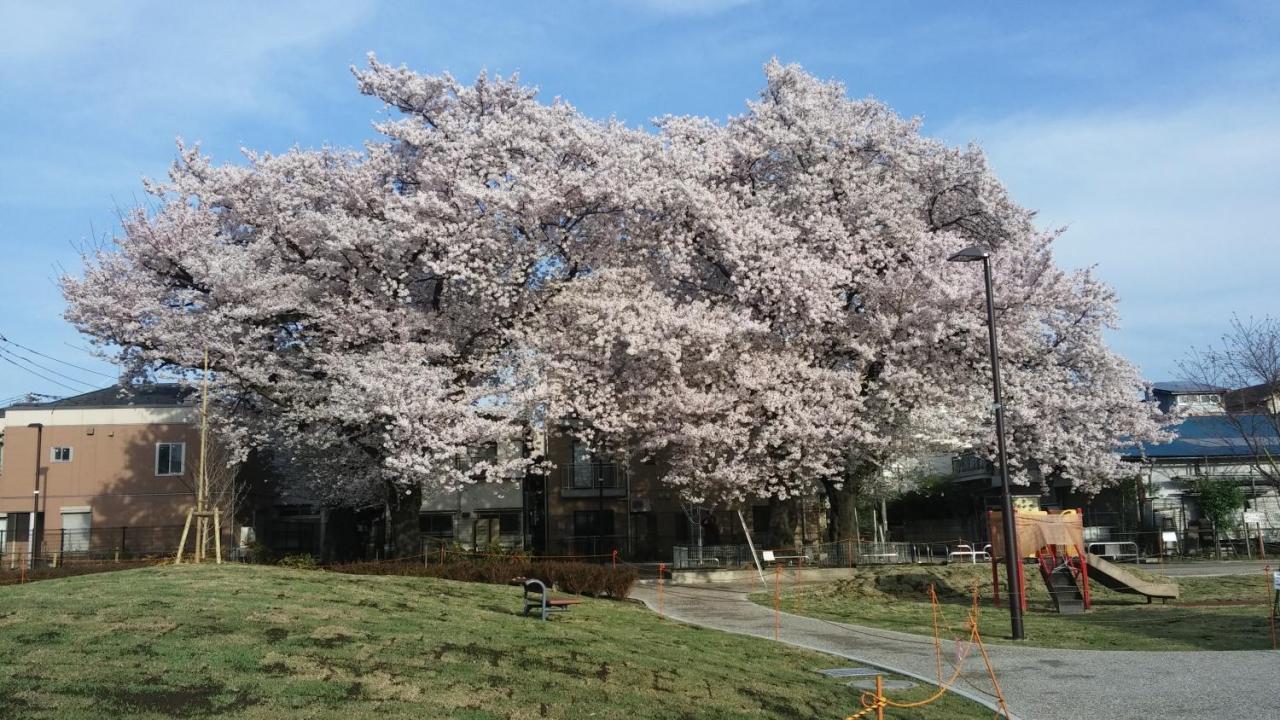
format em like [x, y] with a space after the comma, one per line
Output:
[537, 595]
[966, 553]
[770, 557]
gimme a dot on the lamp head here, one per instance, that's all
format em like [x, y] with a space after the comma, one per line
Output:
[972, 253]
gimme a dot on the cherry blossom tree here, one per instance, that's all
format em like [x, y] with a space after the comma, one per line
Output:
[762, 306]
[364, 304]
[789, 319]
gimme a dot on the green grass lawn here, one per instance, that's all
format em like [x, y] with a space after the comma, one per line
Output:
[1209, 615]
[265, 642]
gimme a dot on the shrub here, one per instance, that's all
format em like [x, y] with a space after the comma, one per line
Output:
[301, 561]
[572, 577]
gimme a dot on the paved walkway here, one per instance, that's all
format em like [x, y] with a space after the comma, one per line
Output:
[1039, 683]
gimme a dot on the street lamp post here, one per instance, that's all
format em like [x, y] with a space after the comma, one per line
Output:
[33, 538]
[1011, 554]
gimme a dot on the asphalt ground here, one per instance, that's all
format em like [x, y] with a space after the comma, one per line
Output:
[1037, 683]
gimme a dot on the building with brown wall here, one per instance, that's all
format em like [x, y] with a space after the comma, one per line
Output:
[107, 471]
[591, 503]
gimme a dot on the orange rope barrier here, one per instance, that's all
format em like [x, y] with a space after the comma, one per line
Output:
[777, 602]
[661, 572]
[876, 701]
[1271, 612]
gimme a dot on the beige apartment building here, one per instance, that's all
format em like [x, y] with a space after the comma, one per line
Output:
[110, 471]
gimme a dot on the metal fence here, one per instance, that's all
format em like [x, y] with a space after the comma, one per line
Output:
[56, 547]
[849, 553]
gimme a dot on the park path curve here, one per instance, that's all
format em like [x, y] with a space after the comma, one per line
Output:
[1038, 683]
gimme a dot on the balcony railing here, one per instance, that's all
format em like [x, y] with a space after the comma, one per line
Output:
[967, 467]
[593, 480]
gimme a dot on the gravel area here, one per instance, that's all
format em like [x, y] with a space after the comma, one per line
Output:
[1038, 683]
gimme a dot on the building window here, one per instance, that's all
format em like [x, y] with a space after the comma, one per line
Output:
[509, 523]
[588, 523]
[18, 527]
[75, 530]
[169, 457]
[60, 454]
[438, 525]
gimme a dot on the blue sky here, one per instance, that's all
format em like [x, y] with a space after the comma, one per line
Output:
[1150, 130]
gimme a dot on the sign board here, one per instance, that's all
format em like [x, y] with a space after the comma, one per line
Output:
[1169, 536]
[1276, 579]
[1252, 517]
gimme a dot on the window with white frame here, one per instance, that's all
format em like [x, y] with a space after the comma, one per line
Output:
[169, 458]
[76, 525]
[59, 453]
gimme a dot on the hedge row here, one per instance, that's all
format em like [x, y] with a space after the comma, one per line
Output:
[16, 576]
[572, 577]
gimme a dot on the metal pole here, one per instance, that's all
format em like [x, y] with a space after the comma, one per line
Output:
[1011, 555]
[33, 538]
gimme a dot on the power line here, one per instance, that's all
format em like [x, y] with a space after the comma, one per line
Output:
[38, 366]
[50, 357]
[33, 372]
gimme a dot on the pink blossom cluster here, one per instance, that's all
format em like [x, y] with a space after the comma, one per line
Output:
[758, 305]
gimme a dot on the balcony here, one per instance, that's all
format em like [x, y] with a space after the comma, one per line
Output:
[590, 480]
[971, 467]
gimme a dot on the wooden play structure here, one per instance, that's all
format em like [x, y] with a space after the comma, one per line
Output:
[1055, 541]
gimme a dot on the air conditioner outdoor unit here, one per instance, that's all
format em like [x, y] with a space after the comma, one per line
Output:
[640, 505]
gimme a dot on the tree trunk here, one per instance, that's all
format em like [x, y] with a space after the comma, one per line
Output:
[1217, 544]
[782, 524]
[841, 511]
[842, 502]
[403, 528]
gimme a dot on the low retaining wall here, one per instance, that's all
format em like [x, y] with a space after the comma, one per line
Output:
[698, 577]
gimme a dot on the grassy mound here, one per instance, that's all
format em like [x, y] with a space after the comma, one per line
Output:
[1218, 613]
[264, 642]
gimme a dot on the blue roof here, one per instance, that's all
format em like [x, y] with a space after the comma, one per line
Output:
[1185, 386]
[1214, 436]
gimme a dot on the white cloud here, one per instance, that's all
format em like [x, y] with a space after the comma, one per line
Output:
[131, 61]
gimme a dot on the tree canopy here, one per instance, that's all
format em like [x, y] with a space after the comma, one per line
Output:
[763, 303]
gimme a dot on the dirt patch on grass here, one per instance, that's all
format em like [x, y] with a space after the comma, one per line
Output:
[179, 702]
[471, 650]
[274, 617]
[331, 636]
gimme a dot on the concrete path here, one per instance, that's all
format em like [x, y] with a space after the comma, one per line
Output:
[1038, 683]
[1212, 569]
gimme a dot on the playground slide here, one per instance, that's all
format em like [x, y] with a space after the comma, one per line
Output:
[1121, 580]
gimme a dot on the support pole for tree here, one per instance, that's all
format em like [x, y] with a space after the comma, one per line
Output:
[201, 512]
[182, 544]
[755, 558]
